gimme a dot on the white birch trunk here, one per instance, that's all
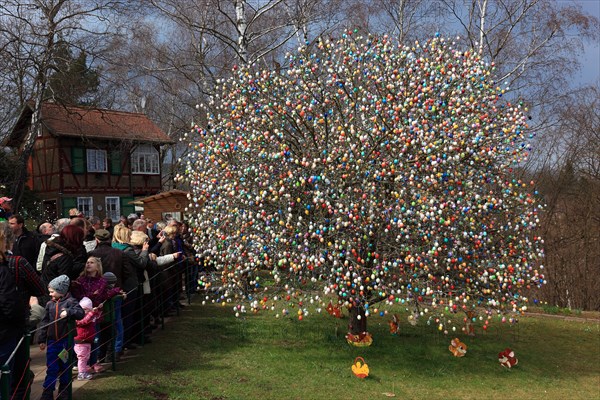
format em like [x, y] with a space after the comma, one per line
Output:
[242, 26]
[482, 14]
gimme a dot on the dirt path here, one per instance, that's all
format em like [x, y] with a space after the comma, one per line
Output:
[592, 318]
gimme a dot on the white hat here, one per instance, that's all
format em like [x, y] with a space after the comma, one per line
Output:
[86, 303]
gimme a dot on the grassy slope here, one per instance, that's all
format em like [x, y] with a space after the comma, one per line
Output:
[206, 353]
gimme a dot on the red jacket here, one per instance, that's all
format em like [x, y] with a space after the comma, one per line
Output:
[86, 327]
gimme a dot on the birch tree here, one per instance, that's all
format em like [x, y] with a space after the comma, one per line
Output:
[248, 30]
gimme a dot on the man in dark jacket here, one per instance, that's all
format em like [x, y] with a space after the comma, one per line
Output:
[26, 243]
[114, 261]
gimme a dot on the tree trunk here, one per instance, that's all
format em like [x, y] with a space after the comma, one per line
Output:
[242, 26]
[50, 12]
[357, 325]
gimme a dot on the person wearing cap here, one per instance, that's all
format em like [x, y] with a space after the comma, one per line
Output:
[112, 316]
[54, 338]
[113, 261]
[5, 208]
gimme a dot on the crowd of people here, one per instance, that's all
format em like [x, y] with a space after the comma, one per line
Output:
[118, 282]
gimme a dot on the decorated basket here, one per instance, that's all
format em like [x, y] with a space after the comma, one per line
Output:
[362, 340]
[360, 368]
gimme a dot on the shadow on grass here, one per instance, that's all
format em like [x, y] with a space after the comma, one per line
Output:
[206, 353]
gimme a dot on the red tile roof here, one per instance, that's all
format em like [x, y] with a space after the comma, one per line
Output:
[62, 120]
[99, 123]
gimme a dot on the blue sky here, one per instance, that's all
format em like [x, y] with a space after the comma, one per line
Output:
[590, 59]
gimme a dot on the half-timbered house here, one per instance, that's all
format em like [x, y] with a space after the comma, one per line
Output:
[96, 160]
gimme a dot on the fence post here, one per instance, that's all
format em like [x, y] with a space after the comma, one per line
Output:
[5, 381]
[72, 358]
[188, 280]
[29, 375]
[113, 333]
[141, 309]
[161, 303]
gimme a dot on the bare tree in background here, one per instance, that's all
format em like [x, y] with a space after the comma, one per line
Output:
[247, 30]
[176, 51]
[409, 19]
[534, 45]
[312, 18]
[31, 32]
[570, 181]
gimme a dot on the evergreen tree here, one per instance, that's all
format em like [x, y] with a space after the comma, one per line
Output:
[72, 80]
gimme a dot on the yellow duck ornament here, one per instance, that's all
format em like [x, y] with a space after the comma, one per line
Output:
[360, 368]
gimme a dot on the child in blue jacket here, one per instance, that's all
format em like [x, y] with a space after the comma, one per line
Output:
[54, 336]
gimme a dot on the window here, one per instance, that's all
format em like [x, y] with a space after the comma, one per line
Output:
[176, 215]
[96, 160]
[113, 208]
[86, 206]
[144, 160]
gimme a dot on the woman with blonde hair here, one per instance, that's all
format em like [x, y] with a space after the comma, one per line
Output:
[173, 284]
[91, 283]
[122, 235]
[139, 262]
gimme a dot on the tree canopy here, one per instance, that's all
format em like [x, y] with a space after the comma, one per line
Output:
[368, 172]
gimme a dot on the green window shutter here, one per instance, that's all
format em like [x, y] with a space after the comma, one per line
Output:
[127, 208]
[67, 204]
[115, 162]
[78, 160]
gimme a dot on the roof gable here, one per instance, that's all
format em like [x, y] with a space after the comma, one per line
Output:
[91, 123]
[162, 195]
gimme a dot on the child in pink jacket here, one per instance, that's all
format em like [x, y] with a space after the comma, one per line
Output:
[86, 331]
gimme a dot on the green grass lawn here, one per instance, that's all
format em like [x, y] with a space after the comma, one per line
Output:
[207, 353]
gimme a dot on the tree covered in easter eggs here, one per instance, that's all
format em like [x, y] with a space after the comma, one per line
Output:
[366, 172]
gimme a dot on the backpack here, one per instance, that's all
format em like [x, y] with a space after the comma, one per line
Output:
[12, 307]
